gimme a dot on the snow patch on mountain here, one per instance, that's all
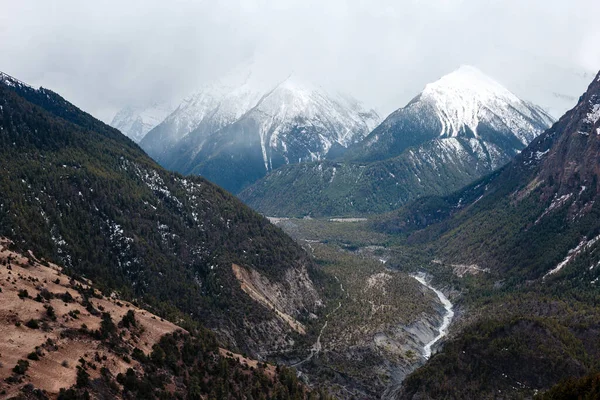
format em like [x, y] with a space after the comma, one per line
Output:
[583, 245]
[10, 81]
[594, 115]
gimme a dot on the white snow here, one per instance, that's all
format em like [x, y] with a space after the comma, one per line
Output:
[557, 202]
[333, 172]
[539, 154]
[583, 245]
[326, 118]
[594, 115]
[10, 81]
[466, 97]
[275, 105]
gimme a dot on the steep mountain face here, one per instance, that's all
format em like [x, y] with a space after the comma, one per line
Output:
[209, 109]
[534, 227]
[555, 177]
[78, 192]
[235, 131]
[463, 104]
[136, 122]
[458, 129]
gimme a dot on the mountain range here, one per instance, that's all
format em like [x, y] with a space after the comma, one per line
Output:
[78, 193]
[237, 129]
[457, 129]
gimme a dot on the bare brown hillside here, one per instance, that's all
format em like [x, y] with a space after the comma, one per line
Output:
[62, 338]
[27, 327]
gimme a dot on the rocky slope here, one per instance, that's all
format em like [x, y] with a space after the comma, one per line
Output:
[458, 129]
[236, 130]
[81, 194]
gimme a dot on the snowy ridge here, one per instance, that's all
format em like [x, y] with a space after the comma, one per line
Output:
[10, 81]
[466, 97]
[466, 104]
[210, 108]
[222, 102]
[334, 117]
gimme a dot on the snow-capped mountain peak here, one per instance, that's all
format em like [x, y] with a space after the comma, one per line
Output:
[486, 118]
[466, 97]
[301, 121]
[468, 80]
[212, 107]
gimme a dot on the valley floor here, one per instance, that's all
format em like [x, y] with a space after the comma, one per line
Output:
[385, 322]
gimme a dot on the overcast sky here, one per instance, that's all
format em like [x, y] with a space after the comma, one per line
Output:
[103, 55]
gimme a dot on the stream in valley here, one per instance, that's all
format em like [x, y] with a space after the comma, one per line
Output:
[443, 329]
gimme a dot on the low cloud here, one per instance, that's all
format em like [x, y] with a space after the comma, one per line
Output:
[109, 54]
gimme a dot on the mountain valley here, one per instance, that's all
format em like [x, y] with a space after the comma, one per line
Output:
[445, 292]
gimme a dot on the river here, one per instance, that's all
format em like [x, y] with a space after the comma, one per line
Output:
[443, 329]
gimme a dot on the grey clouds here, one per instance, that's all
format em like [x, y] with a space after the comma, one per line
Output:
[104, 55]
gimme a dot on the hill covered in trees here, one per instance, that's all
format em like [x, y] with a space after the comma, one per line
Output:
[77, 192]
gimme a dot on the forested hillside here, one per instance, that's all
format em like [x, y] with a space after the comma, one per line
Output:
[79, 193]
[64, 339]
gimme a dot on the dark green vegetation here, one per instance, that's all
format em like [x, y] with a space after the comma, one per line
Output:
[355, 188]
[329, 188]
[586, 388]
[190, 367]
[79, 193]
[533, 319]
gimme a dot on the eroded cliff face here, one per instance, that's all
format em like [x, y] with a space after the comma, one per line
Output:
[291, 300]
